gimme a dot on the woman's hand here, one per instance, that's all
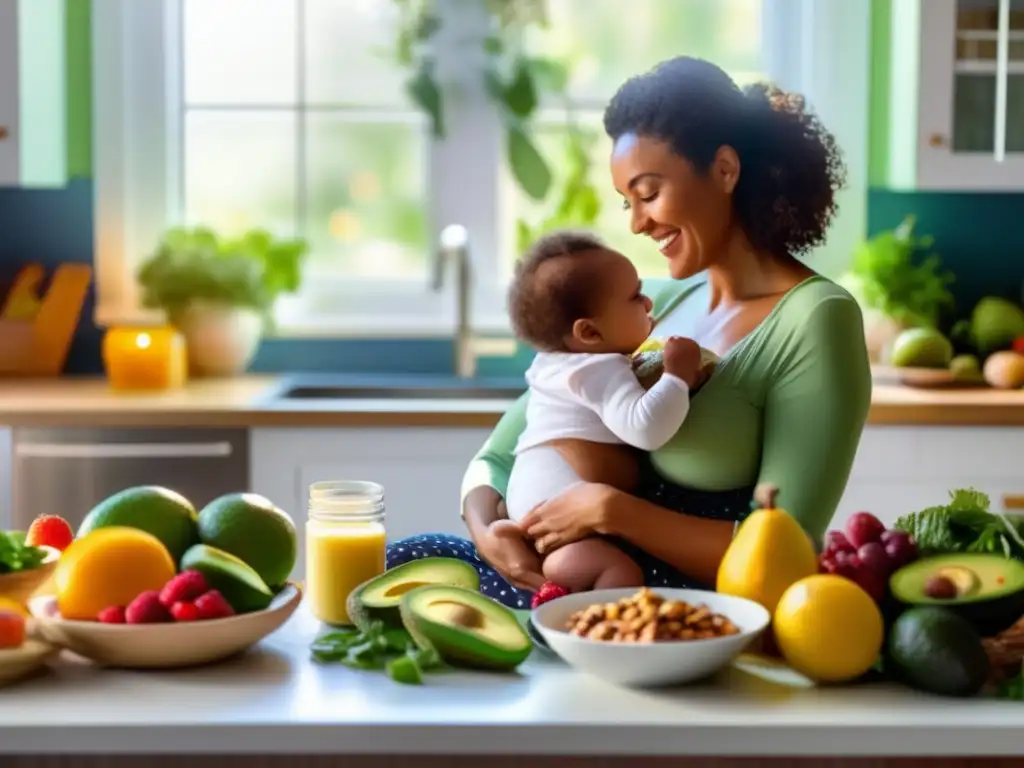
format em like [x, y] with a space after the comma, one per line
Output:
[576, 513]
[503, 546]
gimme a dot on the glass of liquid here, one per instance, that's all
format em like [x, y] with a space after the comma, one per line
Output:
[345, 544]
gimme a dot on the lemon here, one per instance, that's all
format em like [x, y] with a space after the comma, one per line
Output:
[828, 628]
[7, 605]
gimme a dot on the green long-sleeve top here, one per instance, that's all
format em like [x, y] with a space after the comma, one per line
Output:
[786, 405]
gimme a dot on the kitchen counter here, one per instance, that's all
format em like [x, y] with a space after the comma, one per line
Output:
[246, 402]
[275, 701]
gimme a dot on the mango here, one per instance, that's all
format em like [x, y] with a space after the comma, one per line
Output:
[109, 566]
[769, 553]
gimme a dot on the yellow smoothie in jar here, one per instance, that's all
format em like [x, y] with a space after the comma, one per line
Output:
[345, 544]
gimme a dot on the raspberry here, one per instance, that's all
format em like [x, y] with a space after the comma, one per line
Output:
[112, 614]
[182, 611]
[183, 588]
[548, 591]
[147, 609]
[49, 531]
[212, 605]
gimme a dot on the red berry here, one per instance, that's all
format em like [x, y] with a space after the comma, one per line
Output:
[147, 609]
[872, 582]
[1018, 345]
[112, 614]
[212, 605]
[548, 591]
[863, 528]
[185, 612]
[836, 541]
[183, 588]
[873, 556]
[49, 531]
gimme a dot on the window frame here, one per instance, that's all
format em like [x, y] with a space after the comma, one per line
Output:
[820, 49]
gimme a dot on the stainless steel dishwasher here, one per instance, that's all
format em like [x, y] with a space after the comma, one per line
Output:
[66, 471]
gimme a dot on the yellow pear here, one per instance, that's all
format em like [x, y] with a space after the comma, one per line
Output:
[769, 553]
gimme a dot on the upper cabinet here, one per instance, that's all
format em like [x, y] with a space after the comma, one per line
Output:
[33, 116]
[954, 110]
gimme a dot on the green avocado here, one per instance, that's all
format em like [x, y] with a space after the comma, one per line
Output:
[465, 628]
[933, 649]
[160, 511]
[987, 590]
[921, 347]
[240, 585]
[378, 598]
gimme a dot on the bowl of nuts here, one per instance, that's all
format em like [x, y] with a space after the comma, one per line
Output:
[646, 637]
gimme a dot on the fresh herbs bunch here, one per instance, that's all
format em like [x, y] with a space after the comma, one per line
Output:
[250, 271]
[515, 83]
[377, 648]
[893, 277]
[16, 555]
[965, 524]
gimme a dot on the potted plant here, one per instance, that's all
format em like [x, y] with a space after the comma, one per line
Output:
[899, 284]
[220, 292]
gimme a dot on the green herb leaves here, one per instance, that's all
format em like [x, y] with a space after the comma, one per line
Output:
[965, 524]
[377, 648]
[16, 555]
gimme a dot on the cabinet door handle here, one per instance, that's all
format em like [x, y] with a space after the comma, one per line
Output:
[4, 132]
[1013, 501]
[219, 449]
[937, 141]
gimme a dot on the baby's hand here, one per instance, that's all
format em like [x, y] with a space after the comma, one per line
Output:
[683, 359]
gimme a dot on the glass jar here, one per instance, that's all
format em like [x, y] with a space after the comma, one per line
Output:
[345, 544]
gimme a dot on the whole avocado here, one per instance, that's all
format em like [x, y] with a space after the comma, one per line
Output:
[936, 651]
[994, 324]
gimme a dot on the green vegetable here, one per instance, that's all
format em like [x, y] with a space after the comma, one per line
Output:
[377, 647]
[196, 264]
[994, 324]
[965, 524]
[1012, 688]
[16, 555]
[889, 276]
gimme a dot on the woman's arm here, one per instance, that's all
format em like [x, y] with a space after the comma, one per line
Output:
[815, 412]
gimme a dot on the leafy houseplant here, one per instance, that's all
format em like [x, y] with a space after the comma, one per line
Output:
[900, 284]
[220, 292]
[515, 83]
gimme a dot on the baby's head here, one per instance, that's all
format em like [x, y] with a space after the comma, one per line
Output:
[571, 293]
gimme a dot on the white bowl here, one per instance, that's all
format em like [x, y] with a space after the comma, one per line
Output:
[162, 646]
[650, 664]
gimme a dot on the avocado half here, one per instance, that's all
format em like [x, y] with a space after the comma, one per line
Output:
[378, 598]
[986, 590]
[465, 628]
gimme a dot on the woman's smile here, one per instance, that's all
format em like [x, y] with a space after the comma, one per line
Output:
[670, 243]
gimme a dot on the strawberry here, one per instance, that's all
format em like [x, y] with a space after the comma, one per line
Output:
[212, 605]
[112, 614]
[183, 588]
[182, 611]
[1018, 345]
[146, 609]
[548, 591]
[49, 531]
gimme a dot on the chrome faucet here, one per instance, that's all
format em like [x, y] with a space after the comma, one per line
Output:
[454, 247]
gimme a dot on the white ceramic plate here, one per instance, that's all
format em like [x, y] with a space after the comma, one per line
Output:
[18, 663]
[168, 645]
[650, 664]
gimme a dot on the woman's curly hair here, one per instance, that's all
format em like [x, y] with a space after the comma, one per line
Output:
[791, 166]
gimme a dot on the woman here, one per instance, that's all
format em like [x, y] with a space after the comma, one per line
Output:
[735, 185]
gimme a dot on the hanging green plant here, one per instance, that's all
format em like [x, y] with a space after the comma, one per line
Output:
[516, 84]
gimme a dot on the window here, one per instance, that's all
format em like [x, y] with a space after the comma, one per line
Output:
[292, 115]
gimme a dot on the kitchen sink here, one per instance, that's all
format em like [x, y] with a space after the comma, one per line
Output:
[327, 387]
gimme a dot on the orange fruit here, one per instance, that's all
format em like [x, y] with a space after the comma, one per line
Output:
[109, 566]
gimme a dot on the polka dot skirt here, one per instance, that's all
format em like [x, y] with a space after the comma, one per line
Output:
[725, 505]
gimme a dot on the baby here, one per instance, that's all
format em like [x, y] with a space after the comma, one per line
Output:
[579, 303]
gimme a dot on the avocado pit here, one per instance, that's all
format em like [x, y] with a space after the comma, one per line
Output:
[940, 588]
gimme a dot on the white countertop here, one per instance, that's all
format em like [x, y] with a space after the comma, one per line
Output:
[274, 700]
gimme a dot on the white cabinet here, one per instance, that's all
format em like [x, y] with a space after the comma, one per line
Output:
[33, 122]
[420, 468]
[905, 469]
[955, 114]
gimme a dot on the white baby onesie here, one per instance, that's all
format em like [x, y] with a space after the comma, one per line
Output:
[586, 397]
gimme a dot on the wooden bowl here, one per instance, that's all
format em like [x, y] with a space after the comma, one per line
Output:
[21, 585]
[162, 646]
[19, 663]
